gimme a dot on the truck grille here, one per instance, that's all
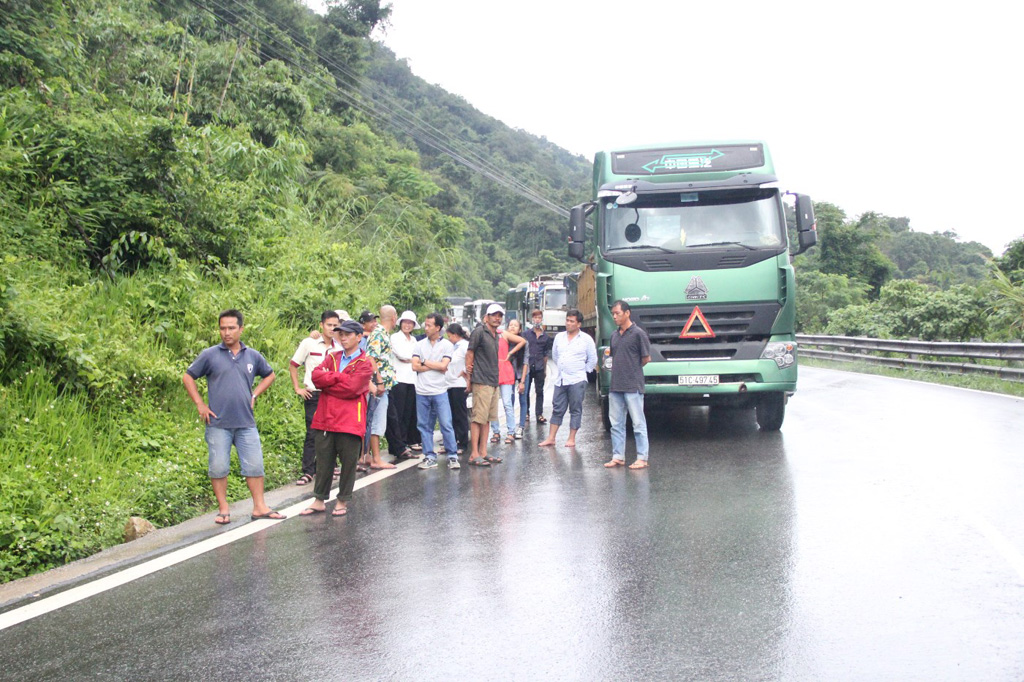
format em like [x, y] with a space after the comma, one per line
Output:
[740, 331]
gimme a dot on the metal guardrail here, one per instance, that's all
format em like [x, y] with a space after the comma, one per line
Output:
[863, 349]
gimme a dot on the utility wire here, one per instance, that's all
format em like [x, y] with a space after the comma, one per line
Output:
[393, 114]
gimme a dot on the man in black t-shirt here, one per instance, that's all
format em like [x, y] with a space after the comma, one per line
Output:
[482, 367]
[630, 351]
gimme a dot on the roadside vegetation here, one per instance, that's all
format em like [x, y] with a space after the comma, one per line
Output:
[874, 276]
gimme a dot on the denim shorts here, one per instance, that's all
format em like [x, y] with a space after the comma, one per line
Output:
[247, 444]
[379, 420]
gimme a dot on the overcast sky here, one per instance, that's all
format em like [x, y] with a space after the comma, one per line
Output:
[902, 108]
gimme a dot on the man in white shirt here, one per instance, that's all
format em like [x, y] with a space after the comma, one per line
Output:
[575, 356]
[430, 360]
[310, 353]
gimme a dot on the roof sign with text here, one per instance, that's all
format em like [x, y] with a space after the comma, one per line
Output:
[688, 160]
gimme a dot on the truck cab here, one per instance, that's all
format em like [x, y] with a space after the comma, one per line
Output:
[694, 237]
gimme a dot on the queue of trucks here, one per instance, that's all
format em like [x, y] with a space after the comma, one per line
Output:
[696, 238]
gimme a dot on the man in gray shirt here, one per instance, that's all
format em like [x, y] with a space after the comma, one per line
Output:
[630, 351]
[230, 368]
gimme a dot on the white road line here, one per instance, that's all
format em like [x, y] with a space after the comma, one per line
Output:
[999, 542]
[86, 590]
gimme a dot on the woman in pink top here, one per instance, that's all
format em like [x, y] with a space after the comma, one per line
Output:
[510, 372]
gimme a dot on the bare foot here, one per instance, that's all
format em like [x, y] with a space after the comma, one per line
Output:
[615, 463]
[382, 465]
[639, 464]
[570, 443]
[546, 443]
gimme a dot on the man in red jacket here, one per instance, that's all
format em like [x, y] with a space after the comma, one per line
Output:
[340, 420]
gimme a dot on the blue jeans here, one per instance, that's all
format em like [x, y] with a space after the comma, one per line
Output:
[247, 444]
[431, 409]
[569, 397]
[618, 405]
[508, 400]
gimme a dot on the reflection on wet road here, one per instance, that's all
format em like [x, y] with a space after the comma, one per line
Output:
[878, 536]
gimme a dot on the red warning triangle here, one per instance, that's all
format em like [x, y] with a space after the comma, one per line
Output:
[697, 315]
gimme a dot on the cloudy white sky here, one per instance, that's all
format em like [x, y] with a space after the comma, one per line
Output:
[898, 107]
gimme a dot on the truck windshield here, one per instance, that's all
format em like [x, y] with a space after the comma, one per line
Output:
[554, 299]
[687, 221]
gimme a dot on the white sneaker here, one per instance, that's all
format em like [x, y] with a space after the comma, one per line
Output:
[453, 463]
[519, 433]
[428, 463]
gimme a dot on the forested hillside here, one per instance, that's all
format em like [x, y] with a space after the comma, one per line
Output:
[511, 238]
[162, 160]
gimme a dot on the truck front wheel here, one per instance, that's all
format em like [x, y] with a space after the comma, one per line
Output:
[770, 411]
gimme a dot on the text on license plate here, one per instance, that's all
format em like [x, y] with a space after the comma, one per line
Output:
[699, 380]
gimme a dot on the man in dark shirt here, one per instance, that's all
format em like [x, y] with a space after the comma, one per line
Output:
[230, 368]
[630, 351]
[482, 368]
[539, 352]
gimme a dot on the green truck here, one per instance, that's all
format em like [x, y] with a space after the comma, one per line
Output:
[694, 237]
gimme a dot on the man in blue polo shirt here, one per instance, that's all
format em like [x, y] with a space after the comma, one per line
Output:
[230, 369]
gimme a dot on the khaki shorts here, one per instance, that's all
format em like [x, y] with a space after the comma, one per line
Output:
[485, 403]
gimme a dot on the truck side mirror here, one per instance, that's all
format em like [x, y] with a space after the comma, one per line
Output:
[806, 224]
[576, 250]
[578, 229]
[808, 238]
[805, 214]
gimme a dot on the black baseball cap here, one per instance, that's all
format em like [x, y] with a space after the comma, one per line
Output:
[366, 316]
[350, 326]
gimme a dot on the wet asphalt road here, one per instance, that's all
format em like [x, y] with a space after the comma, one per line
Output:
[879, 536]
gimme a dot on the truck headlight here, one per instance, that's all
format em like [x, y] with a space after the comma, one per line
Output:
[607, 364]
[783, 353]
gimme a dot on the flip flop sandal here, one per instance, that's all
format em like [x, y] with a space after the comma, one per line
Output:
[304, 479]
[269, 516]
[311, 511]
[492, 459]
[222, 519]
[339, 511]
[542, 420]
[510, 440]
[362, 468]
[479, 462]
[495, 437]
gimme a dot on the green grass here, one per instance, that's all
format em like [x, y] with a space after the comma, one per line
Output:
[972, 381]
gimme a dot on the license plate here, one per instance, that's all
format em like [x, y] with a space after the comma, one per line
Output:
[699, 380]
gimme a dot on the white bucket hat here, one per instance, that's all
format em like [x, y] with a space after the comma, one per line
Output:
[407, 315]
[343, 315]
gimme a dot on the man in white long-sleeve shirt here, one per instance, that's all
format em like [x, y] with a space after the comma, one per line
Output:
[575, 355]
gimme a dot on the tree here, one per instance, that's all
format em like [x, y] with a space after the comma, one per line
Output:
[819, 294]
[852, 250]
[1011, 263]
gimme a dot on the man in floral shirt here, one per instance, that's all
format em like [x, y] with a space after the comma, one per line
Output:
[378, 347]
